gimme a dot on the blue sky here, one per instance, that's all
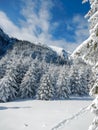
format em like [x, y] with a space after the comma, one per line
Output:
[52, 22]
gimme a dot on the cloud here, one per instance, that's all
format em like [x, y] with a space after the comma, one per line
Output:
[37, 15]
[79, 26]
[14, 31]
[7, 25]
[37, 26]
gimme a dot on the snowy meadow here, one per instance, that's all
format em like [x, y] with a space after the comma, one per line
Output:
[44, 115]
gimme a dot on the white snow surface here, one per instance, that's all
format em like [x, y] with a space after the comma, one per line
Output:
[60, 51]
[57, 49]
[44, 115]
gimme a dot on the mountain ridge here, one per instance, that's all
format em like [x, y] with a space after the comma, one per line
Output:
[7, 43]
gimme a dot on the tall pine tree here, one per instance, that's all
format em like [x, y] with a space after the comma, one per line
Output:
[46, 89]
[8, 87]
[92, 16]
[29, 83]
[63, 90]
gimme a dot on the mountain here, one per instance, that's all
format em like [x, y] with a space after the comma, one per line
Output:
[5, 42]
[42, 52]
[60, 51]
[37, 71]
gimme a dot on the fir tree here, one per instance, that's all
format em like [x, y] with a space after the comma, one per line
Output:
[8, 87]
[46, 90]
[29, 83]
[92, 16]
[54, 71]
[3, 66]
[20, 69]
[63, 90]
[74, 82]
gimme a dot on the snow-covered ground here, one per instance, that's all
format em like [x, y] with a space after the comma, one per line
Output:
[43, 115]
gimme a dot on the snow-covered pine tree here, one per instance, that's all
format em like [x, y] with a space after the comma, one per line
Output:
[74, 82]
[41, 68]
[21, 68]
[93, 21]
[54, 71]
[8, 82]
[30, 82]
[94, 106]
[3, 66]
[86, 77]
[8, 87]
[46, 89]
[84, 89]
[7, 61]
[63, 90]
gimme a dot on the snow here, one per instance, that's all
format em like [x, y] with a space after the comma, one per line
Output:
[44, 115]
[57, 49]
[60, 51]
[93, 16]
[89, 55]
[81, 47]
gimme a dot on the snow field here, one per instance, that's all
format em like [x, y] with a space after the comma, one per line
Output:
[43, 115]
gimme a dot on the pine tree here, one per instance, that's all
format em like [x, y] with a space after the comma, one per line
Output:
[84, 90]
[74, 82]
[29, 83]
[8, 87]
[46, 90]
[54, 71]
[3, 66]
[20, 69]
[92, 16]
[63, 90]
[94, 106]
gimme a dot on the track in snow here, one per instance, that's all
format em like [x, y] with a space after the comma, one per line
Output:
[68, 120]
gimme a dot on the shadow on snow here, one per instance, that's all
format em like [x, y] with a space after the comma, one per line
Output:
[5, 108]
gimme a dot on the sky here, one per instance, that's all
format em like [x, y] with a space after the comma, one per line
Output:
[53, 22]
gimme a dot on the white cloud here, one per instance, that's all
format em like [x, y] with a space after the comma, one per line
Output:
[80, 27]
[81, 31]
[37, 25]
[10, 28]
[37, 21]
[7, 25]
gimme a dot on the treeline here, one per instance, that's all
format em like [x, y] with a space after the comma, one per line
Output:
[25, 77]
